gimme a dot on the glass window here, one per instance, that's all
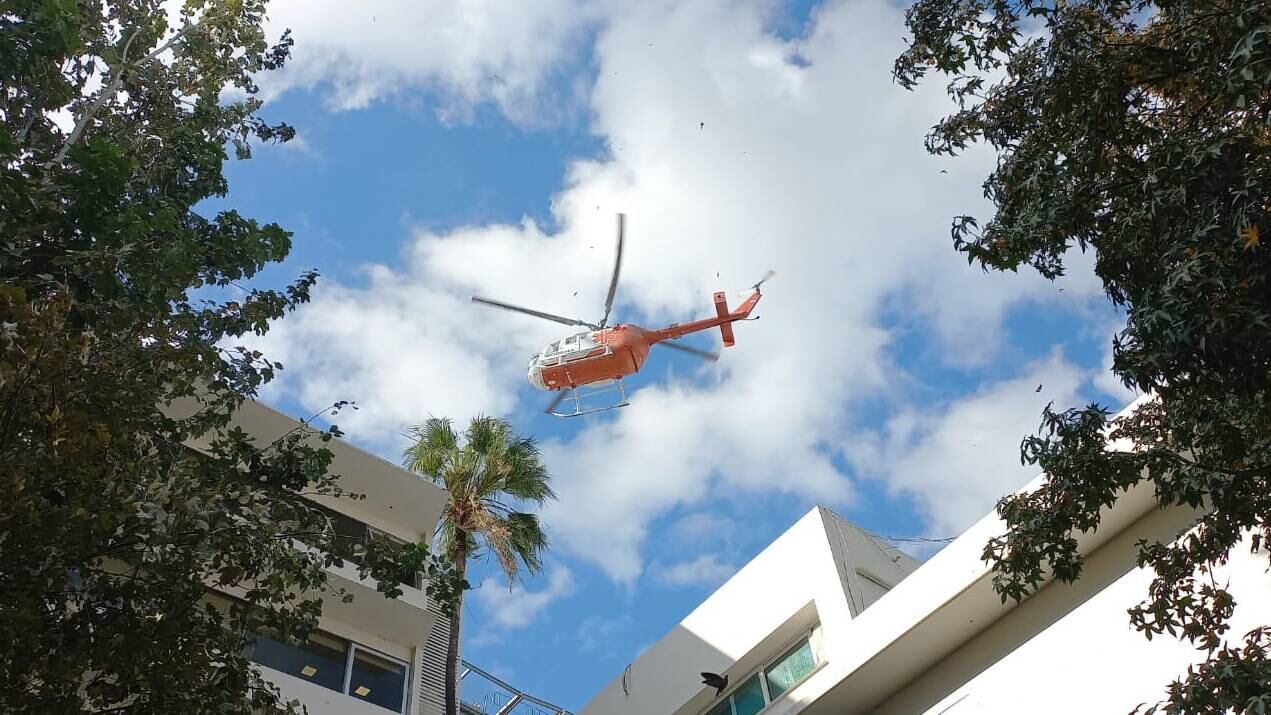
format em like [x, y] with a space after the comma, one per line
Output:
[782, 674]
[790, 668]
[321, 660]
[324, 660]
[748, 699]
[377, 680]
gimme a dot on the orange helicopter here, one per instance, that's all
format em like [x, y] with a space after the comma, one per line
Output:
[599, 358]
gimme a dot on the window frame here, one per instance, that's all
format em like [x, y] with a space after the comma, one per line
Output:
[817, 662]
[348, 674]
[806, 635]
[350, 648]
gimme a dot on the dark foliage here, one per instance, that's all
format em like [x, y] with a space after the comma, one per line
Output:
[1139, 130]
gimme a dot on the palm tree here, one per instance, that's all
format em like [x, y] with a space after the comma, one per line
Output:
[481, 471]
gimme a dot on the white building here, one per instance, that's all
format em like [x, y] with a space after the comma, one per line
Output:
[828, 621]
[374, 655]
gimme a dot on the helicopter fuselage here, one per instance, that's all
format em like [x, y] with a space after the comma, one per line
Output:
[596, 357]
[592, 357]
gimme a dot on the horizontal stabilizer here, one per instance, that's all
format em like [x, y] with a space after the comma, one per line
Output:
[726, 329]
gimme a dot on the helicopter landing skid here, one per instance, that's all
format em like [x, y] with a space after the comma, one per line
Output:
[570, 402]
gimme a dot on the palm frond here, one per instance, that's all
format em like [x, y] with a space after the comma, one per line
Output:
[486, 435]
[527, 539]
[435, 443]
[485, 473]
[527, 478]
[498, 540]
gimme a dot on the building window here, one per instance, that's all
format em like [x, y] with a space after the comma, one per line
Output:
[348, 529]
[340, 665]
[377, 679]
[748, 699]
[770, 682]
[790, 668]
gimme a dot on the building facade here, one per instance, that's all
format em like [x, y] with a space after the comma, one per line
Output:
[769, 629]
[822, 626]
[373, 655]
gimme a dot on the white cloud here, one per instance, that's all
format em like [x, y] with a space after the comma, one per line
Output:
[517, 607]
[399, 348]
[957, 460]
[816, 171]
[1107, 382]
[596, 633]
[703, 527]
[470, 51]
[705, 570]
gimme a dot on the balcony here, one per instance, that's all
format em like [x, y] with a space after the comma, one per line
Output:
[483, 694]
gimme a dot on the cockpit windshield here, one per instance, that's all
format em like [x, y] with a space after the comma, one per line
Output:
[581, 341]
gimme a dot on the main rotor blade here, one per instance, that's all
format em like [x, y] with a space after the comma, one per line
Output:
[617, 268]
[551, 407]
[535, 313]
[704, 354]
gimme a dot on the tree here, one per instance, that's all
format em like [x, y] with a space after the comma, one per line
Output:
[1139, 130]
[111, 528]
[480, 471]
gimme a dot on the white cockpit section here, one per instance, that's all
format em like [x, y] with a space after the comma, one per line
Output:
[567, 350]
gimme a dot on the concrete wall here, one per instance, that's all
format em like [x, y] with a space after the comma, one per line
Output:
[397, 502]
[867, 568]
[802, 579]
[790, 586]
[1071, 648]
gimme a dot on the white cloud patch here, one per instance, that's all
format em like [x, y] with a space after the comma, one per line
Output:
[705, 570]
[703, 527]
[517, 607]
[957, 460]
[470, 51]
[729, 157]
[1109, 383]
[596, 634]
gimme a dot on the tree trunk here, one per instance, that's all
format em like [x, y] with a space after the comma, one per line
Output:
[452, 648]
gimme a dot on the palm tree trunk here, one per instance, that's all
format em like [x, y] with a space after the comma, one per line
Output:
[452, 648]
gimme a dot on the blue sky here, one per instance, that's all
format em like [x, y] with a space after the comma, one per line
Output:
[445, 149]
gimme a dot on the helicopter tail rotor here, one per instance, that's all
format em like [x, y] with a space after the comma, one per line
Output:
[763, 280]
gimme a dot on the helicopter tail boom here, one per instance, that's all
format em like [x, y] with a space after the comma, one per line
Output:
[723, 319]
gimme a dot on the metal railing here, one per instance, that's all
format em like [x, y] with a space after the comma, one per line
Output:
[480, 693]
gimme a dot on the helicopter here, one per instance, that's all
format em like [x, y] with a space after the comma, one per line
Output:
[593, 362]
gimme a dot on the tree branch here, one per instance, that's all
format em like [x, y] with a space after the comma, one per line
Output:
[109, 91]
